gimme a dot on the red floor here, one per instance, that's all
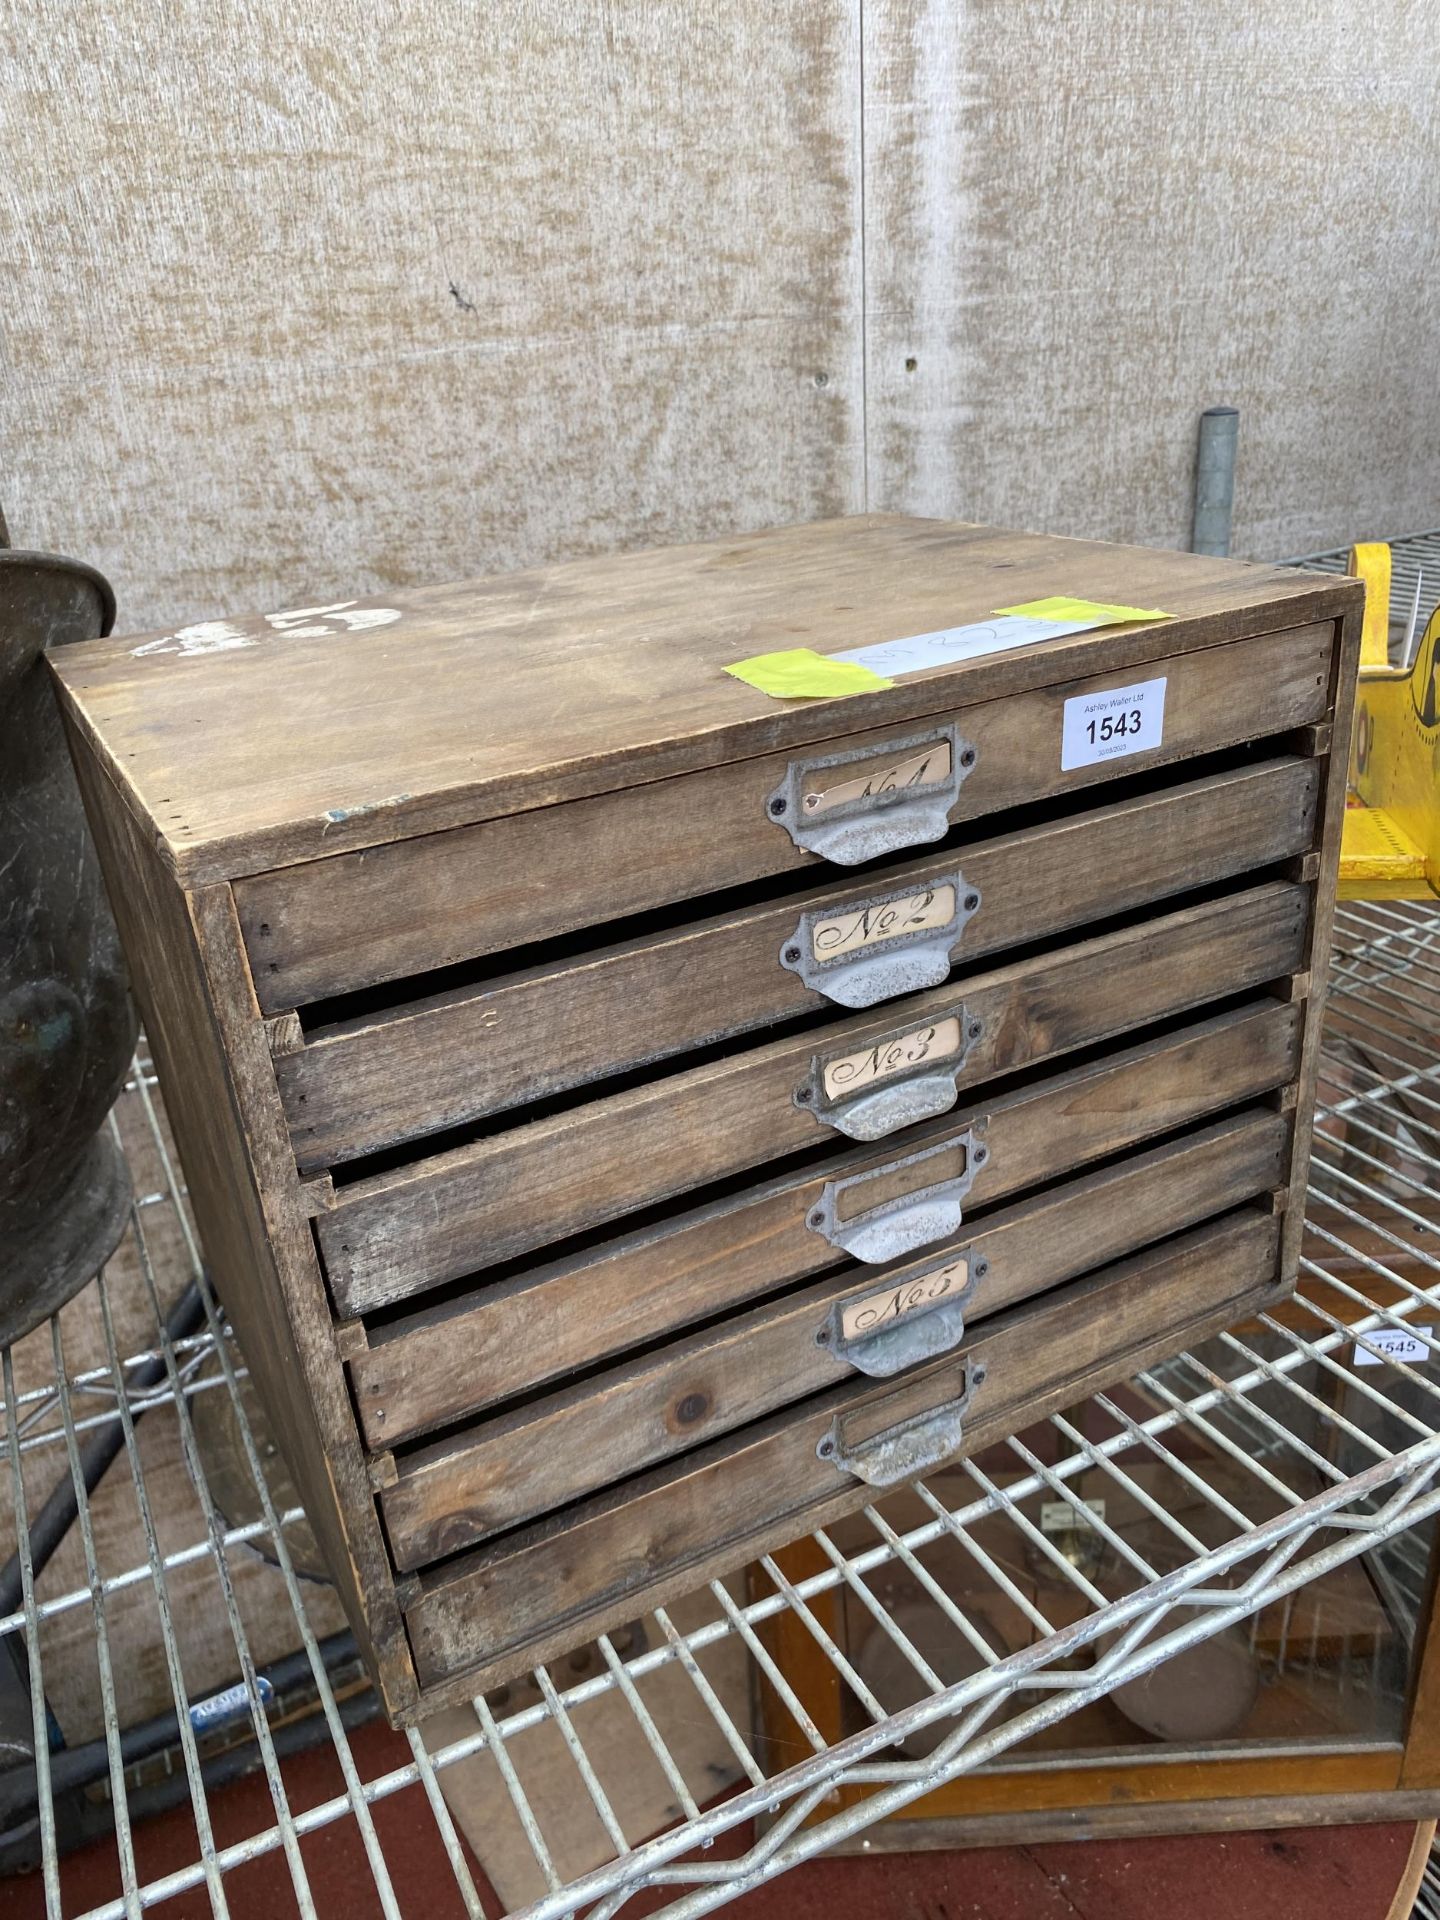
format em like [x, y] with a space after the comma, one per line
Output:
[1342, 1873]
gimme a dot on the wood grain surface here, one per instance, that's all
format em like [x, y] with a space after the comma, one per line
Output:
[281, 745]
[553, 1450]
[550, 1585]
[596, 1162]
[369, 1082]
[355, 919]
[512, 1485]
[203, 1026]
[710, 1257]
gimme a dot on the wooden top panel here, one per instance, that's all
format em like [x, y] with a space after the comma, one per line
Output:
[258, 742]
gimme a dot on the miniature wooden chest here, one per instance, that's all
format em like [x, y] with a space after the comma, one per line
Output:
[631, 1118]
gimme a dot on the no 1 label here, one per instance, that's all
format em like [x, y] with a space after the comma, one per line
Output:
[1111, 724]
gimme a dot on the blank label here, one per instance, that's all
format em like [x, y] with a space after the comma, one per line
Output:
[1111, 724]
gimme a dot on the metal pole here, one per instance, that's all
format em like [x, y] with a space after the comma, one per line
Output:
[1215, 480]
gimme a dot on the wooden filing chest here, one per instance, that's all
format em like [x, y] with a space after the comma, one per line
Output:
[630, 1118]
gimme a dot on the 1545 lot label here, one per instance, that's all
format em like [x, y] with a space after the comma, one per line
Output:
[1111, 724]
[1411, 1349]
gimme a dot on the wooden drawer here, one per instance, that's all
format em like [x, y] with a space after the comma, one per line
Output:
[435, 1219]
[555, 1449]
[547, 1587]
[571, 1050]
[366, 1084]
[795, 1223]
[334, 925]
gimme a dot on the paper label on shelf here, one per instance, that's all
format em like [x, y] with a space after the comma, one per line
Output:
[1059, 1516]
[1111, 724]
[1399, 1343]
[948, 647]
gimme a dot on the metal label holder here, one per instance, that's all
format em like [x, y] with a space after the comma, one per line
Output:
[898, 1227]
[872, 824]
[911, 1447]
[919, 1332]
[921, 1091]
[899, 963]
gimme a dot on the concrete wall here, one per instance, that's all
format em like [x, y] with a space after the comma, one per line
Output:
[301, 301]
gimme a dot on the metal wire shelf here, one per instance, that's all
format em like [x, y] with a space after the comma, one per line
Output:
[1330, 1461]
[1414, 582]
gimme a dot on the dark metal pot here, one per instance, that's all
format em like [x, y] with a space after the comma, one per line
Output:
[67, 1026]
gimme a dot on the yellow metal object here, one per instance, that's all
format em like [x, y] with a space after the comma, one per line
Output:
[1377, 862]
[1391, 846]
[1370, 562]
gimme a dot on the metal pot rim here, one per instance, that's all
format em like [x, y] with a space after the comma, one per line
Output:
[36, 561]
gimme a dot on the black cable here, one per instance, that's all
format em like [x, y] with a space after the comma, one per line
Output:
[73, 1767]
[97, 1451]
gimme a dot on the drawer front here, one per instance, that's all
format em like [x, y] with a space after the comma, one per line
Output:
[331, 926]
[867, 1078]
[499, 1609]
[507, 1338]
[555, 1450]
[369, 1085]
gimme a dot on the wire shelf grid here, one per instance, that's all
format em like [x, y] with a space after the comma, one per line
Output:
[1293, 1460]
[1414, 580]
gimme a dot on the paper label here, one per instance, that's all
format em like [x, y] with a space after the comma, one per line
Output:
[1112, 724]
[1399, 1343]
[925, 769]
[951, 645]
[880, 1309]
[1023, 626]
[846, 933]
[847, 1073]
[1059, 1516]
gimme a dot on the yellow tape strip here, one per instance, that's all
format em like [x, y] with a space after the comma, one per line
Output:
[1370, 561]
[801, 674]
[1098, 613]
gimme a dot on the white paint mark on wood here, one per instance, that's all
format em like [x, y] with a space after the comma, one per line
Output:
[206, 636]
[300, 623]
[318, 623]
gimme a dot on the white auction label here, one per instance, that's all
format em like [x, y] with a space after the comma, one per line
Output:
[1112, 723]
[1058, 1516]
[1398, 1343]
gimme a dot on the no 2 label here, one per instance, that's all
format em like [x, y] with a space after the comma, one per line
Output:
[1112, 724]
